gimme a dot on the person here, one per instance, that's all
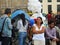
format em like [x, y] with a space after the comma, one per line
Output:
[13, 30]
[53, 18]
[51, 33]
[58, 19]
[7, 29]
[30, 33]
[38, 32]
[22, 27]
[49, 15]
[58, 34]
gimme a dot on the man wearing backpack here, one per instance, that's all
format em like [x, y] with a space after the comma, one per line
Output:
[7, 28]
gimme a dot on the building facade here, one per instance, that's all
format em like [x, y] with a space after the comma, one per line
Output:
[13, 4]
[47, 5]
[50, 5]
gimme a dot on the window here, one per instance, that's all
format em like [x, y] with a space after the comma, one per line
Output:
[40, 0]
[49, 8]
[58, 8]
[58, 0]
[49, 0]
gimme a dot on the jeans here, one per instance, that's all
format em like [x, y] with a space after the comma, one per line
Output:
[22, 38]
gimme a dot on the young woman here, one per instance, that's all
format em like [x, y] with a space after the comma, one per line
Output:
[22, 26]
[38, 32]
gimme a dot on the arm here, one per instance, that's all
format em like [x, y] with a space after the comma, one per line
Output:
[9, 23]
[55, 35]
[47, 32]
[38, 32]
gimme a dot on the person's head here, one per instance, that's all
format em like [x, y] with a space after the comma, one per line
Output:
[39, 20]
[50, 12]
[51, 24]
[7, 11]
[22, 16]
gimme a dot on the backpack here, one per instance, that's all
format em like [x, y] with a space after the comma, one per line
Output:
[2, 21]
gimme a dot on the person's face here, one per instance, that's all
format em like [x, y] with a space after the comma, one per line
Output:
[9, 14]
[39, 20]
[52, 25]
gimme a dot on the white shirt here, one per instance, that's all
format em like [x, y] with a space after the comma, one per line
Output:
[38, 36]
[21, 27]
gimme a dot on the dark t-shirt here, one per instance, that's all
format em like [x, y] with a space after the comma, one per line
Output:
[57, 19]
[49, 16]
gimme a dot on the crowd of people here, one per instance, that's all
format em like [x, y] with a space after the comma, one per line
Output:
[38, 33]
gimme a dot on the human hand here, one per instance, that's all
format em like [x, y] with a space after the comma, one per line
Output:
[55, 39]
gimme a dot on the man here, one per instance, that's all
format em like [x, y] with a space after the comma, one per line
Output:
[49, 15]
[51, 34]
[7, 29]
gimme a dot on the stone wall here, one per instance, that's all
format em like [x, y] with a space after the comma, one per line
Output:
[13, 4]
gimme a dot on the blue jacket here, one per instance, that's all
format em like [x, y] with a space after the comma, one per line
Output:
[7, 31]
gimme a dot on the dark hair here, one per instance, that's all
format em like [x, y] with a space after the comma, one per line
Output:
[7, 11]
[12, 21]
[50, 12]
[50, 22]
[41, 20]
[22, 16]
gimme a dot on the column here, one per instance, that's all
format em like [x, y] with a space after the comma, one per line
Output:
[45, 6]
[54, 6]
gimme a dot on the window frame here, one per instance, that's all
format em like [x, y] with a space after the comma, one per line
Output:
[41, 1]
[49, 8]
[49, 0]
[58, 0]
[58, 8]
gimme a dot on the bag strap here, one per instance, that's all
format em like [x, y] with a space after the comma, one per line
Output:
[3, 25]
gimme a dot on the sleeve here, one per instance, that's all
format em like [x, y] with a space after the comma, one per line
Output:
[54, 32]
[9, 23]
[47, 32]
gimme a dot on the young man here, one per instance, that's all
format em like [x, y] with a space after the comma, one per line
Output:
[51, 34]
[7, 29]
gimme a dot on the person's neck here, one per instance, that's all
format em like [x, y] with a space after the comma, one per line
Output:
[50, 27]
[38, 24]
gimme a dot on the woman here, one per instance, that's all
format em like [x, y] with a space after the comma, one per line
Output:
[22, 26]
[38, 32]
